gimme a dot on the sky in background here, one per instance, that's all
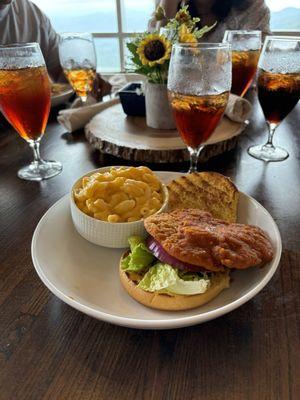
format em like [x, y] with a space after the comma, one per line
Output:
[276, 5]
[85, 6]
[88, 6]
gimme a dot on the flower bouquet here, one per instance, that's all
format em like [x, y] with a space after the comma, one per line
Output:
[150, 56]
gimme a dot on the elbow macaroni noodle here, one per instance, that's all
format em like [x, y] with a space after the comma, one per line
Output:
[120, 195]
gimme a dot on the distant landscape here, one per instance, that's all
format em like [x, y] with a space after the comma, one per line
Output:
[286, 19]
[102, 22]
[136, 20]
[105, 21]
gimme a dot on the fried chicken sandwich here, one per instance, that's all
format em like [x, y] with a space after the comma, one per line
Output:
[187, 258]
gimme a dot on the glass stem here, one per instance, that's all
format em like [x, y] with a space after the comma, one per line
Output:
[272, 128]
[194, 154]
[35, 145]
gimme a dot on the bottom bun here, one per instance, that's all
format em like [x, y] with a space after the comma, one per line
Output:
[176, 302]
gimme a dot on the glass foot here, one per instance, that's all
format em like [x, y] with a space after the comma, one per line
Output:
[268, 153]
[38, 171]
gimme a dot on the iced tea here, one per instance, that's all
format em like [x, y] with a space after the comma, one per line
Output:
[25, 100]
[244, 65]
[278, 94]
[196, 117]
[81, 80]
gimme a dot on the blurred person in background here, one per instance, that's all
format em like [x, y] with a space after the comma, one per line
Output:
[21, 21]
[229, 15]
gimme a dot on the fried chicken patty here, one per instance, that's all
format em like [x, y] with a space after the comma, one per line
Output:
[195, 237]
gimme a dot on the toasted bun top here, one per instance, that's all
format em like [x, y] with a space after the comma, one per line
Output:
[219, 281]
[207, 191]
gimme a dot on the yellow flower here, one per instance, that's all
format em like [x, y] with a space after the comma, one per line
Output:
[154, 49]
[182, 15]
[185, 35]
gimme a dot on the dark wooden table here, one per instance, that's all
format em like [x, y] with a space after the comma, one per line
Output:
[50, 351]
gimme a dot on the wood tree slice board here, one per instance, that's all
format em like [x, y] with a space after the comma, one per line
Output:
[112, 132]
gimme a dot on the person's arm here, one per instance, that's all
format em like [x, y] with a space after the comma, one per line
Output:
[49, 45]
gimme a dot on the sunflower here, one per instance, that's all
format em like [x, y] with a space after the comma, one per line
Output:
[154, 49]
[185, 35]
[183, 15]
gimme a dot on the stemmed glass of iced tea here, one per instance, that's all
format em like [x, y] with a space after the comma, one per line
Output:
[199, 82]
[25, 102]
[78, 60]
[245, 46]
[278, 89]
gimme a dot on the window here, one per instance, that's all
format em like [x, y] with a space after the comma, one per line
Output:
[112, 22]
[285, 15]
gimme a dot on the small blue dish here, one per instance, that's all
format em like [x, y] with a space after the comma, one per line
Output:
[133, 103]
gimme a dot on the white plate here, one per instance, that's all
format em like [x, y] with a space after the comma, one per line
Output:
[85, 276]
[61, 98]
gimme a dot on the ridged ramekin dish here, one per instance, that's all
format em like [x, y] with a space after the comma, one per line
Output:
[107, 234]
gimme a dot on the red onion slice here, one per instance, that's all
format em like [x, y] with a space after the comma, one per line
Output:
[158, 251]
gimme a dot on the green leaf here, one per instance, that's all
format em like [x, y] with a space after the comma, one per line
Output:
[200, 32]
[125, 263]
[158, 279]
[132, 47]
[134, 241]
[139, 257]
[191, 276]
[163, 278]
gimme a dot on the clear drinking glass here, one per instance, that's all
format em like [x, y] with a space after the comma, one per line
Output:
[245, 47]
[169, 33]
[25, 102]
[198, 87]
[278, 89]
[78, 59]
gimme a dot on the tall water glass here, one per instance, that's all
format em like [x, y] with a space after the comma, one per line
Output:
[245, 46]
[78, 59]
[278, 88]
[198, 87]
[25, 102]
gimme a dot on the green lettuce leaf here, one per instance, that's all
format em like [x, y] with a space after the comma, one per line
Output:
[163, 278]
[192, 276]
[134, 241]
[139, 257]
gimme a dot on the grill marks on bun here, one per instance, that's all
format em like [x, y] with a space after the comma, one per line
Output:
[207, 191]
[200, 230]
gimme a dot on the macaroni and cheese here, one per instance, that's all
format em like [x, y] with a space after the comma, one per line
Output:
[123, 194]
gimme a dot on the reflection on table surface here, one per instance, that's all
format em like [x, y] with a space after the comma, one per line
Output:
[49, 350]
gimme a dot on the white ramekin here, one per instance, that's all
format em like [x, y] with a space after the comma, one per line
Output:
[103, 233]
